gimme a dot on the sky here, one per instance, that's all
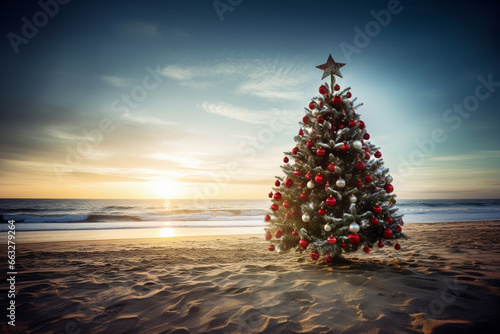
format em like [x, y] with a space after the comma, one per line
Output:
[199, 99]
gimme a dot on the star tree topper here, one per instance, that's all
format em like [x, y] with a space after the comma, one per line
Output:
[331, 68]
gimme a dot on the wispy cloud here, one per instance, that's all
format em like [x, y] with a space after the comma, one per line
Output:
[115, 81]
[469, 156]
[143, 119]
[234, 112]
[139, 28]
[269, 79]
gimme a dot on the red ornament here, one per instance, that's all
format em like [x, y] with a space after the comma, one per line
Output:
[295, 150]
[320, 119]
[323, 90]
[348, 94]
[301, 184]
[343, 245]
[344, 148]
[354, 238]
[366, 249]
[352, 123]
[318, 179]
[331, 239]
[303, 243]
[288, 215]
[277, 234]
[305, 119]
[397, 246]
[368, 178]
[297, 173]
[309, 144]
[308, 176]
[359, 184]
[336, 88]
[277, 183]
[389, 220]
[288, 183]
[278, 196]
[337, 100]
[367, 156]
[360, 165]
[362, 125]
[274, 207]
[367, 149]
[314, 255]
[321, 104]
[398, 228]
[377, 154]
[330, 201]
[293, 212]
[331, 167]
[303, 196]
[387, 233]
[268, 236]
[294, 233]
[374, 221]
[285, 160]
[312, 105]
[328, 258]
[321, 212]
[341, 126]
[320, 151]
[377, 209]
[286, 204]
[389, 188]
[270, 247]
[270, 194]
[267, 218]
[381, 244]
[366, 136]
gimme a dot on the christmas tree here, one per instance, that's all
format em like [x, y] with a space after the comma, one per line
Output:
[336, 195]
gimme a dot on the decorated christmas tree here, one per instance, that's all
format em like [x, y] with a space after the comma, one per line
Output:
[336, 196]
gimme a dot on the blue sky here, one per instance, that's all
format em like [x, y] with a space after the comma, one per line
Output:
[205, 126]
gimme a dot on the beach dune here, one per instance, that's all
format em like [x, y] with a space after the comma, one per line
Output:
[445, 279]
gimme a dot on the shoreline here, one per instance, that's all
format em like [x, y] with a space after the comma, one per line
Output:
[28, 237]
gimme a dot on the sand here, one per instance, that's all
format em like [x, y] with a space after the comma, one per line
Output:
[445, 279]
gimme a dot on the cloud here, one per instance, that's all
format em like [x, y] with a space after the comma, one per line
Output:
[146, 120]
[268, 79]
[234, 112]
[138, 28]
[115, 81]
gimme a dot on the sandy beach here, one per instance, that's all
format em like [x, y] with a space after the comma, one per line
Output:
[445, 279]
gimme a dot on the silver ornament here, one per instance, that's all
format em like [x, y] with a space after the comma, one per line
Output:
[340, 183]
[306, 218]
[378, 171]
[353, 199]
[310, 184]
[338, 170]
[354, 228]
[315, 112]
[357, 145]
[328, 228]
[388, 179]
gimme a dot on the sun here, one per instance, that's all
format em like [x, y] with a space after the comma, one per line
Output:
[165, 188]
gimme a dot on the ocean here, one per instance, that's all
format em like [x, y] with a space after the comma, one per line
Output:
[188, 217]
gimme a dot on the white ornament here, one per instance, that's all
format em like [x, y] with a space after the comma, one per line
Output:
[315, 112]
[310, 184]
[340, 183]
[328, 228]
[306, 218]
[311, 130]
[357, 145]
[388, 179]
[338, 170]
[354, 228]
[353, 199]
